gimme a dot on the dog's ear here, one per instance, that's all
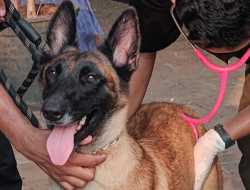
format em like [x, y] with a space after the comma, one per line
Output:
[123, 43]
[61, 31]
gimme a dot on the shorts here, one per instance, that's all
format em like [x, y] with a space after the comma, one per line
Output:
[157, 27]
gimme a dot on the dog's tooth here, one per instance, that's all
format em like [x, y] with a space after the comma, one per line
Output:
[82, 122]
[79, 127]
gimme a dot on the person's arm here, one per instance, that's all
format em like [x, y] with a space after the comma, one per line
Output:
[238, 126]
[209, 145]
[139, 81]
[31, 142]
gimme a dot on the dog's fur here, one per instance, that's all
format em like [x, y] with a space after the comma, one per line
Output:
[155, 147]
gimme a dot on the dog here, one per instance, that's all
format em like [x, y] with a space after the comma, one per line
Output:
[85, 93]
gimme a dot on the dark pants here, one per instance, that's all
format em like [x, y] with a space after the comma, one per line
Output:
[244, 143]
[9, 176]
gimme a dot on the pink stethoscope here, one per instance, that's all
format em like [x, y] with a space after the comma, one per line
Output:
[223, 70]
[223, 75]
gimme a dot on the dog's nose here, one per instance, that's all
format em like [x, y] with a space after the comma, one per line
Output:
[52, 111]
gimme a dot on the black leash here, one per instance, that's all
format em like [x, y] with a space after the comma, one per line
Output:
[17, 99]
[26, 34]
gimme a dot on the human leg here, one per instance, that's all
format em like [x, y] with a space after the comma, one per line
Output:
[9, 176]
[244, 143]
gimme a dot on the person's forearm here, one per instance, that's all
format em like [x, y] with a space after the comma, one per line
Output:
[12, 123]
[139, 81]
[238, 126]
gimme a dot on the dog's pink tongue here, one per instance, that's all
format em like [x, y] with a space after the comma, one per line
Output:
[61, 143]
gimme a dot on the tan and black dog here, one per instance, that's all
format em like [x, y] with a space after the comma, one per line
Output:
[85, 93]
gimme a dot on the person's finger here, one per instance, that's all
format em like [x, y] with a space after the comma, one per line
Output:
[16, 4]
[72, 183]
[86, 160]
[66, 186]
[173, 1]
[81, 173]
[89, 174]
[87, 140]
[2, 10]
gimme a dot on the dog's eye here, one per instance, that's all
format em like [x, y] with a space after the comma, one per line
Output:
[91, 78]
[52, 72]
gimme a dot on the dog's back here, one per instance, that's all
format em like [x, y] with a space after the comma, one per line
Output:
[169, 140]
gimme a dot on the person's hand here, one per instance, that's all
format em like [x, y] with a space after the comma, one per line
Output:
[79, 169]
[205, 150]
[3, 9]
[173, 1]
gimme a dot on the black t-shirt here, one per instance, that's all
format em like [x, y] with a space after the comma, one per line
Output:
[157, 27]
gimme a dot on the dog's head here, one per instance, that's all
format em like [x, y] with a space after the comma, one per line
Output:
[87, 89]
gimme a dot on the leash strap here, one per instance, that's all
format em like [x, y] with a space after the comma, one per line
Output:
[18, 101]
[14, 20]
[26, 34]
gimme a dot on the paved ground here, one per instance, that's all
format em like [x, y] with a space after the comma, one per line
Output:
[179, 77]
